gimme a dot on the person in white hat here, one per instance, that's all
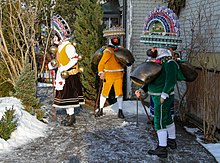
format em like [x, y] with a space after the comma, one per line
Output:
[162, 93]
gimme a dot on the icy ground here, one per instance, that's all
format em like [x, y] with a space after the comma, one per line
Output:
[104, 139]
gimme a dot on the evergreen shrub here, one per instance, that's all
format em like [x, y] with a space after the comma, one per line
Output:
[7, 124]
[26, 90]
[89, 40]
[39, 114]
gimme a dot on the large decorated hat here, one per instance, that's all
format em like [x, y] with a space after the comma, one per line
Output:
[113, 32]
[161, 28]
[60, 27]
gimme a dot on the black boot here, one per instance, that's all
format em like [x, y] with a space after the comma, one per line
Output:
[65, 120]
[120, 114]
[71, 121]
[99, 113]
[171, 143]
[159, 151]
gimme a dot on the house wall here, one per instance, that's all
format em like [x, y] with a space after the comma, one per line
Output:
[209, 11]
[200, 26]
[200, 29]
[137, 10]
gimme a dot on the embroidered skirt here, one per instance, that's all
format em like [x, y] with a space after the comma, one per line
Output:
[71, 95]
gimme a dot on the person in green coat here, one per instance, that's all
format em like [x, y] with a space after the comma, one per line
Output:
[162, 92]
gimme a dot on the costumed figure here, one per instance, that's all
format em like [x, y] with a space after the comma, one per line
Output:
[151, 56]
[161, 31]
[67, 84]
[111, 69]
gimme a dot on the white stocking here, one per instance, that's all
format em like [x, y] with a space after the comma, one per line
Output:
[162, 137]
[102, 101]
[120, 102]
[171, 129]
[70, 111]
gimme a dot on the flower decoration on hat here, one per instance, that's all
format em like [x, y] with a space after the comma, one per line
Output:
[60, 27]
[161, 28]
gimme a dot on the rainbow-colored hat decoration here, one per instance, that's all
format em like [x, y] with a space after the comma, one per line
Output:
[161, 28]
[60, 27]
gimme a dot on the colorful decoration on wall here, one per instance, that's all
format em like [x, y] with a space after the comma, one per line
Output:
[161, 28]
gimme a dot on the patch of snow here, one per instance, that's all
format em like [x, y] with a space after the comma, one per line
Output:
[213, 148]
[44, 85]
[28, 127]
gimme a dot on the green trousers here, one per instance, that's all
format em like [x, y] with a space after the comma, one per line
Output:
[162, 115]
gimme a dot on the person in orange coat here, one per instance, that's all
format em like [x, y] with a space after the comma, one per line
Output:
[111, 72]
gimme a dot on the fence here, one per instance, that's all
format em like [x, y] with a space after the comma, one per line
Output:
[209, 87]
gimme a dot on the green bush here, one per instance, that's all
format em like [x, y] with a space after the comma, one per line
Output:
[25, 89]
[7, 124]
[39, 114]
[29, 109]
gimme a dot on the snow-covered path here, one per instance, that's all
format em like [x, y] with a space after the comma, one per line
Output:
[105, 139]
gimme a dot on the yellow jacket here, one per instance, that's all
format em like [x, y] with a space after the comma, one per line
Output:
[110, 65]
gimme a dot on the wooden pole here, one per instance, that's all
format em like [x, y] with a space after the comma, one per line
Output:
[148, 116]
[53, 94]
[98, 96]
[137, 113]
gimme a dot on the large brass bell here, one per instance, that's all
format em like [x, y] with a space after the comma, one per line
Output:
[64, 74]
[54, 62]
[188, 71]
[125, 56]
[53, 49]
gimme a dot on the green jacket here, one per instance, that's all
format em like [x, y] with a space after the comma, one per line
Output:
[164, 84]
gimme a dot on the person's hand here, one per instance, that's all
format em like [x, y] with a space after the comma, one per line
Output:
[161, 100]
[102, 76]
[50, 66]
[138, 93]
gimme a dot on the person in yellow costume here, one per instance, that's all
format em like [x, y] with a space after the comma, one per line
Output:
[111, 72]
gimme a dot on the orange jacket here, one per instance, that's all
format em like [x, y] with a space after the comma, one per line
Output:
[110, 65]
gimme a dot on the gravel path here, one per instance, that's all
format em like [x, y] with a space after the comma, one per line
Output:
[104, 139]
